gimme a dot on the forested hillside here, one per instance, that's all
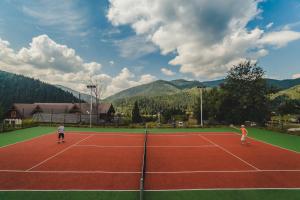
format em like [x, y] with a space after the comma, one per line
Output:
[20, 89]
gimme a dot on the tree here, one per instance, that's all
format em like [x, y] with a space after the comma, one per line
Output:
[1, 113]
[136, 117]
[245, 94]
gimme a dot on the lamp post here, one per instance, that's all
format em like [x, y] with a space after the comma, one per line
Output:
[201, 110]
[91, 87]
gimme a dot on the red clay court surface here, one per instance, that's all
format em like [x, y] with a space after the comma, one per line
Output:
[112, 161]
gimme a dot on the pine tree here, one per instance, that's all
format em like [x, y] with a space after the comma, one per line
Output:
[1, 113]
[136, 117]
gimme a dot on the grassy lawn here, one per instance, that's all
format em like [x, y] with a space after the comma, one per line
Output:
[23, 134]
[163, 195]
[62, 195]
[280, 139]
[225, 195]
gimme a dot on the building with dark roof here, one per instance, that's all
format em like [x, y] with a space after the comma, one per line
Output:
[20, 111]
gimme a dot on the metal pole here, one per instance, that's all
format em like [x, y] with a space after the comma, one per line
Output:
[91, 109]
[201, 107]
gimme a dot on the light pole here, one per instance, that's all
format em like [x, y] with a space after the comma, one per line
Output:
[201, 110]
[91, 108]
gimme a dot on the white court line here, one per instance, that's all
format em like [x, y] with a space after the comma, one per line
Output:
[68, 190]
[65, 149]
[229, 152]
[27, 140]
[107, 134]
[185, 135]
[274, 145]
[147, 172]
[148, 146]
[151, 190]
[221, 189]
[72, 172]
[222, 171]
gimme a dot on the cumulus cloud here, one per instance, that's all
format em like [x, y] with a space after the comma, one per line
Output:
[135, 47]
[58, 64]
[125, 79]
[205, 36]
[296, 76]
[280, 39]
[167, 72]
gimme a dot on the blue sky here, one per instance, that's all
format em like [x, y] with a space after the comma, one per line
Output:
[125, 43]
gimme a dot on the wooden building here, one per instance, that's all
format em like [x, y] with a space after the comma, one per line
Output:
[20, 111]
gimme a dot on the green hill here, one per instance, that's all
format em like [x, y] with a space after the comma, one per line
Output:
[20, 89]
[283, 84]
[292, 93]
[83, 96]
[161, 87]
[155, 88]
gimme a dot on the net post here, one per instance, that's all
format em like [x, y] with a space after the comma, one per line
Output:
[141, 189]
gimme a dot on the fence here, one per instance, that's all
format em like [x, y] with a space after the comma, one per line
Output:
[67, 118]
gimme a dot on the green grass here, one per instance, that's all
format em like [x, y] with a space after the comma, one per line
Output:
[71, 195]
[280, 139]
[162, 195]
[23, 134]
[225, 195]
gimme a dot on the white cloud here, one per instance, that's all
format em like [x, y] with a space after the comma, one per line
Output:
[269, 25]
[125, 79]
[279, 39]
[111, 62]
[292, 25]
[67, 16]
[296, 76]
[167, 72]
[206, 36]
[58, 64]
[135, 47]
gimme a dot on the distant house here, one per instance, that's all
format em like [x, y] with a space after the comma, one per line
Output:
[21, 111]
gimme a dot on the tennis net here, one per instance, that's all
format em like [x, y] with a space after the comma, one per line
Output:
[143, 170]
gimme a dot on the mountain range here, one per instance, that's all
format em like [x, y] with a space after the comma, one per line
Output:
[17, 88]
[20, 89]
[161, 87]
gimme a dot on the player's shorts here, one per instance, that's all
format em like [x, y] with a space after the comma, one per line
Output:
[61, 135]
[243, 138]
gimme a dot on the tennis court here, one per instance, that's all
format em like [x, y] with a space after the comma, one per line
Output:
[174, 161]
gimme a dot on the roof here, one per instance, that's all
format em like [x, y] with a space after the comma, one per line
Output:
[26, 110]
[55, 107]
[104, 107]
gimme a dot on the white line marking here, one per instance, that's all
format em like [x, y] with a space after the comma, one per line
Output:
[187, 134]
[220, 171]
[274, 145]
[147, 172]
[229, 152]
[158, 190]
[107, 134]
[27, 140]
[67, 190]
[216, 189]
[65, 149]
[71, 172]
[148, 146]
